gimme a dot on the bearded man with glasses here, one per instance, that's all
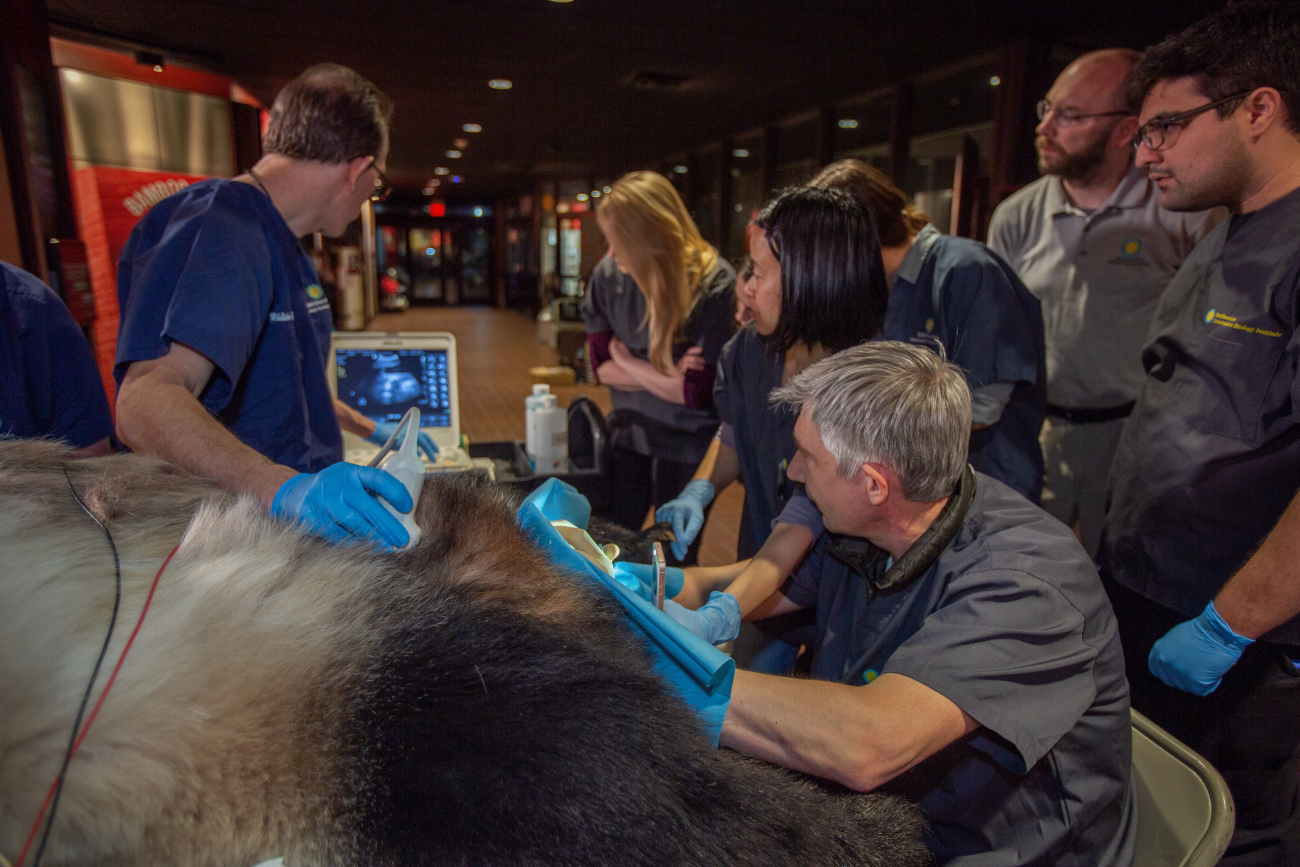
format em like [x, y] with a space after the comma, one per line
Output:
[1201, 546]
[1092, 242]
[224, 341]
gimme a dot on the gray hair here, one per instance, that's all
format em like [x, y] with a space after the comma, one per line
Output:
[891, 403]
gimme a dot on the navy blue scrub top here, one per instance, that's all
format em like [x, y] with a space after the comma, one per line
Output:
[962, 294]
[747, 374]
[49, 384]
[216, 268]
[1012, 625]
[1210, 458]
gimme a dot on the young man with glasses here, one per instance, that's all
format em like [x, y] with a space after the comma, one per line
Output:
[225, 331]
[1201, 547]
[1092, 242]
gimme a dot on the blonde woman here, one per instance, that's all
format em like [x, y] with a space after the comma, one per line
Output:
[658, 310]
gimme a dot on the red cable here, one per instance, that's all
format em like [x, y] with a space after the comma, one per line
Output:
[22, 856]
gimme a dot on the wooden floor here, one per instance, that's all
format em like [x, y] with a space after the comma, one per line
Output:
[495, 349]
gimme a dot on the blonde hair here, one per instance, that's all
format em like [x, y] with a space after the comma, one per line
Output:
[663, 251]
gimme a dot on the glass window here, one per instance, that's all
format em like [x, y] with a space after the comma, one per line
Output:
[708, 168]
[796, 153]
[475, 264]
[960, 98]
[861, 130]
[932, 164]
[426, 264]
[746, 190]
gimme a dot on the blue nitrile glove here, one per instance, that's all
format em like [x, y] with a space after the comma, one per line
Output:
[384, 429]
[639, 578]
[686, 513]
[1195, 655]
[716, 621]
[340, 503]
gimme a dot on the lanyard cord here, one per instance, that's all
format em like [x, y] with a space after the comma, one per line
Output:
[56, 788]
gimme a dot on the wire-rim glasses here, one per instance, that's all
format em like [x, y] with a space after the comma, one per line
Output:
[1066, 117]
[382, 185]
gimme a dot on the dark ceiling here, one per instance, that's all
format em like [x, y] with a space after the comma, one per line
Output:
[574, 110]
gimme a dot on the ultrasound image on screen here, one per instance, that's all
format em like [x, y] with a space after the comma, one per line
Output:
[383, 384]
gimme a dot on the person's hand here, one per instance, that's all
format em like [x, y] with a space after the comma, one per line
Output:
[640, 577]
[716, 621]
[692, 360]
[619, 352]
[1195, 655]
[384, 429]
[340, 503]
[686, 513]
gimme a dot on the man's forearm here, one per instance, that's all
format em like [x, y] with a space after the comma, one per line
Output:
[1265, 592]
[779, 556]
[165, 420]
[721, 466]
[858, 736]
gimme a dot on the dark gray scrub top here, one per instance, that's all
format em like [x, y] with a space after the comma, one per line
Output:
[1210, 458]
[747, 374]
[642, 422]
[1012, 625]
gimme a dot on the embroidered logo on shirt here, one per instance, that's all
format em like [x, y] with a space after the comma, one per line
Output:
[1131, 248]
[314, 292]
[929, 325]
[1223, 320]
[870, 674]
[282, 317]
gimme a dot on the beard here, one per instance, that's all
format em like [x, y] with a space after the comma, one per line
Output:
[1071, 165]
[1223, 182]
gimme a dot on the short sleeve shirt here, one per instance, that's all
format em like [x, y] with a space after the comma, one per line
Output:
[1012, 625]
[1098, 276]
[216, 268]
[955, 292]
[641, 421]
[1210, 458]
[747, 374]
[49, 384]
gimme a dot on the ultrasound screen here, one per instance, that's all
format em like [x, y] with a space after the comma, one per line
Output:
[383, 384]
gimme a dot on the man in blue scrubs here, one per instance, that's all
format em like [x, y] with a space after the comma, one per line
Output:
[49, 384]
[966, 656]
[224, 339]
[1201, 546]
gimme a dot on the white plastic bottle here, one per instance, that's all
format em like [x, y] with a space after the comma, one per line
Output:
[404, 464]
[532, 403]
[552, 438]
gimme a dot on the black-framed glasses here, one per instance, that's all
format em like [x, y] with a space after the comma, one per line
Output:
[382, 185]
[1162, 132]
[1066, 117]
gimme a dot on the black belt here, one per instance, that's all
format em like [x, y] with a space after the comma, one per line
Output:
[1090, 416]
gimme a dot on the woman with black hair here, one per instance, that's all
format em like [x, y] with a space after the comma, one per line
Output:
[818, 287]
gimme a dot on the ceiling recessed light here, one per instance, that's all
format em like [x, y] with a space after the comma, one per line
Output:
[848, 123]
[995, 81]
[472, 127]
[453, 155]
[595, 194]
[740, 152]
[607, 189]
[461, 142]
[500, 84]
[442, 170]
[455, 179]
[582, 197]
[681, 170]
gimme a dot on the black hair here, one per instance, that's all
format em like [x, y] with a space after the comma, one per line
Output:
[833, 287]
[1237, 49]
[328, 114]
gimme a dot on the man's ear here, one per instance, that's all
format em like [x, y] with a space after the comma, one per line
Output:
[1264, 108]
[1122, 135]
[876, 484]
[356, 166]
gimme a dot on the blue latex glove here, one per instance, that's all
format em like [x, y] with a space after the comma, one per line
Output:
[716, 621]
[384, 429]
[340, 503]
[686, 513]
[639, 578]
[1194, 656]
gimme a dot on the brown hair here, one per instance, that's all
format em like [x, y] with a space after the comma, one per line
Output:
[328, 114]
[896, 220]
[664, 253]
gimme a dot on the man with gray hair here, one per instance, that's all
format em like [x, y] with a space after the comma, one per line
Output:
[966, 655]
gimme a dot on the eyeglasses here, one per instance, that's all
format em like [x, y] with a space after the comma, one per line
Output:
[1066, 117]
[382, 185]
[1162, 132]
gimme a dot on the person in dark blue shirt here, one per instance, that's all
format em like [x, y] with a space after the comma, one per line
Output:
[49, 384]
[958, 294]
[966, 655]
[224, 338]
